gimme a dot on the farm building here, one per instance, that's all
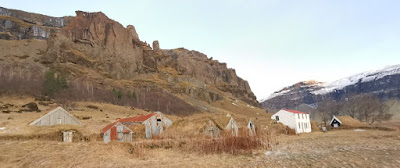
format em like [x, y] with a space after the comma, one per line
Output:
[297, 120]
[67, 135]
[345, 122]
[56, 116]
[212, 129]
[252, 128]
[233, 127]
[335, 122]
[155, 123]
[117, 131]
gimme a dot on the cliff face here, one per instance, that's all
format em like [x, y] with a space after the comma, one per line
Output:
[90, 45]
[95, 41]
[384, 83]
[210, 72]
[17, 25]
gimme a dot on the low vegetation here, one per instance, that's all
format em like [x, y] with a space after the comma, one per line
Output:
[365, 107]
[56, 86]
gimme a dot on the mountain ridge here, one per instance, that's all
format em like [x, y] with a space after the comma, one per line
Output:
[382, 82]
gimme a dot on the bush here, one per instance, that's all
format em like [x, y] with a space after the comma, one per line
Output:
[235, 145]
[53, 83]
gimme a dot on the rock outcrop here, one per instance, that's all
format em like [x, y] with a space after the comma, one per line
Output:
[17, 25]
[156, 45]
[93, 40]
[91, 45]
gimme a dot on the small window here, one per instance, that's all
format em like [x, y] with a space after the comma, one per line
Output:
[298, 115]
[299, 125]
[158, 119]
[120, 128]
[277, 118]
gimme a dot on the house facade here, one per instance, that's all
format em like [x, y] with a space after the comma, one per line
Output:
[212, 129]
[233, 127]
[335, 122]
[251, 127]
[117, 132]
[155, 123]
[297, 120]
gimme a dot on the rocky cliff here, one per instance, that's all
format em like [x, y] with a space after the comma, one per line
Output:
[17, 25]
[93, 48]
[384, 83]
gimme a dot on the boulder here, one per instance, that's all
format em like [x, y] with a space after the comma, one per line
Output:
[32, 106]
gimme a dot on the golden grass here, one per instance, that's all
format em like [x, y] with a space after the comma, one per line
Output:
[181, 145]
[95, 154]
[348, 121]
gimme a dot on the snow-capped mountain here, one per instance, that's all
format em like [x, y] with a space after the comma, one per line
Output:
[384, 82]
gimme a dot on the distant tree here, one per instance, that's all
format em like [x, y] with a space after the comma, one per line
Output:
[372, 109]
[328, 108]
[118, 93]
[53, 83]
[352, 105]
[134, 95]
[365, 107]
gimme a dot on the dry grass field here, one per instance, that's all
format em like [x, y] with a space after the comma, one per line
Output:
[181, 145]
[342, 148]
[337, 148]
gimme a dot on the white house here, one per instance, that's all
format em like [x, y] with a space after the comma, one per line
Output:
[297, 120]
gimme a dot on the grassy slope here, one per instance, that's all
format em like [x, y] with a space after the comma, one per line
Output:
[19, 122]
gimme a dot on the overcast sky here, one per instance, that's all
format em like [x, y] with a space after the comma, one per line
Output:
[270, 43]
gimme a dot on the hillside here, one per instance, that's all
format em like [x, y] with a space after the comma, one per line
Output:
[104, 61]
[384, 83]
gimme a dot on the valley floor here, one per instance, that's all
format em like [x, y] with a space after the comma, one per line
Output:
[339, 148]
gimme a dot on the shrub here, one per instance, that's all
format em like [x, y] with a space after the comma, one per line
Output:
[235, 145]
[53, 83]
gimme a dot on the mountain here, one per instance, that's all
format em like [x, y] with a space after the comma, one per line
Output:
[384, 83]
[104, 61]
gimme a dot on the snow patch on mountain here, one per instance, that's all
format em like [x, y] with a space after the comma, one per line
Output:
[304, 85]
[362, 77]
[280, 93]
[319, 88]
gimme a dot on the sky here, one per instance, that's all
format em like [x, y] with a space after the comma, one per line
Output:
[270, 43]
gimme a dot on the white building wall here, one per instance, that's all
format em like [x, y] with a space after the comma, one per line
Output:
[292, 120]
[303, 123]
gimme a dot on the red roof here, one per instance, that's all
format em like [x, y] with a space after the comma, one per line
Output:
[139, 118]
[294, 111]
[105, 129]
